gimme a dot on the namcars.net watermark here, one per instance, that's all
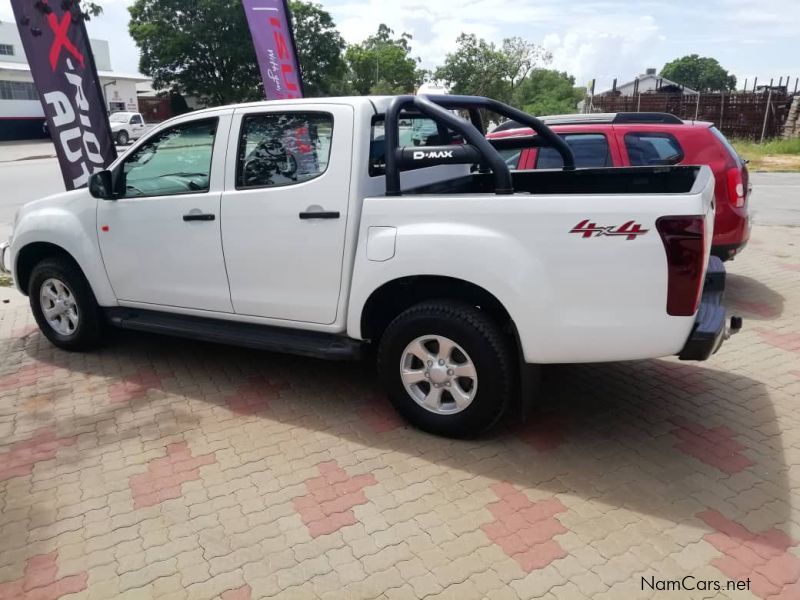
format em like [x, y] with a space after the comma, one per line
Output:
[690, 583]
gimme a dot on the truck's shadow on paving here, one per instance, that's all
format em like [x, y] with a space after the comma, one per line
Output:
[752, 298]
[657, 436]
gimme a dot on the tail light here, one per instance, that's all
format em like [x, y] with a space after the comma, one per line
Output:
[684, 240]
[736, 187]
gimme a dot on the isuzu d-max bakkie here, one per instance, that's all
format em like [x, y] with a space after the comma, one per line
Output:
[323, 226]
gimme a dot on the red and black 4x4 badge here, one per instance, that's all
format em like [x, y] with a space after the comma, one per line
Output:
[630, 230]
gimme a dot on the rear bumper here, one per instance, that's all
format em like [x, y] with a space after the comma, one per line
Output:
[711, 325]
[728, 251]
[5, 257]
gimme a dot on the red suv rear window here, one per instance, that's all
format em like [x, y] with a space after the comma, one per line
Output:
[652, 148]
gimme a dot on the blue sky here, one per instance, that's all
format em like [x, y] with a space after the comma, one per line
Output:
[588, 38]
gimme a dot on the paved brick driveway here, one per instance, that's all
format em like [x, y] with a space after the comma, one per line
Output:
[164, 468]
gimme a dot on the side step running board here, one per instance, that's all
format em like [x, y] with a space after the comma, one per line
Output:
[261, 337]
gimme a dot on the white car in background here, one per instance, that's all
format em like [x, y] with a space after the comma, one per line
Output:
[126, 126]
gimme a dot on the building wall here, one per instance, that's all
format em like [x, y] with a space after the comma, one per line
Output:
[119, 93]
[23, 118]
[10, 35]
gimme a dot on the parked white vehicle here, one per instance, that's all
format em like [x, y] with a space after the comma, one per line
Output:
[126, 126]
[310, 226]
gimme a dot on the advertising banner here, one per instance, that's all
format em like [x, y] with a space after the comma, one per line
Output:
[62, 65]
[270, 28]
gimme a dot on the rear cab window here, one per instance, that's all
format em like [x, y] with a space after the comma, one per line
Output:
[414, 131]
[652, 149]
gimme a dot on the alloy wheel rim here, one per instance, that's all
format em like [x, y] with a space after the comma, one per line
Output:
[59, 306]
[438, 374]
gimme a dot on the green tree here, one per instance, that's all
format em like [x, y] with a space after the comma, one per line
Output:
[700, 73]
[477, 67]
[482, 68]
[548, 92]
[202, 48]
[382, 64]
[320, 49]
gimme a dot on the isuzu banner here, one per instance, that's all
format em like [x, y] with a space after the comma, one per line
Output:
[57, 46]
[273, 39]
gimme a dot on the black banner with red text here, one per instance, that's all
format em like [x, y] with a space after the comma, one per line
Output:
[64, 73]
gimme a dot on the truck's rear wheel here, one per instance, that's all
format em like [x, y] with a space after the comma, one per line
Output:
[64, 306]
[448, 368]
[122, 138]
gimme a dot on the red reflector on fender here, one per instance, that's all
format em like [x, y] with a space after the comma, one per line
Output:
[684, 242]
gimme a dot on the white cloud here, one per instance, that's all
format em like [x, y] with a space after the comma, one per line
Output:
[605, 48]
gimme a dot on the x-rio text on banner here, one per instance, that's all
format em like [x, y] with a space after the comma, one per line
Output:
[61, 61]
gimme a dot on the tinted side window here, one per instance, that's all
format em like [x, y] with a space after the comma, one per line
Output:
[278, 149]
[590, 150]
[136, 120]
[646, 149]
[511, 156]
[174, 161]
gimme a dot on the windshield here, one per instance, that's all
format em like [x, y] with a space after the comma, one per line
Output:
[119, 117]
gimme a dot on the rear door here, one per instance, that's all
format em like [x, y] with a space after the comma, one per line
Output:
[285, 209]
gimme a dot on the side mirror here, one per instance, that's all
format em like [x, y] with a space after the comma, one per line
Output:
[100, 185]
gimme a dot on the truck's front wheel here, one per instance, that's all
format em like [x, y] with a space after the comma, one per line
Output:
[64, 306]
[448, 368]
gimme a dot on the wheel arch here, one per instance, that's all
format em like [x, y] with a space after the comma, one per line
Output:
[32, 254]
[394, 296]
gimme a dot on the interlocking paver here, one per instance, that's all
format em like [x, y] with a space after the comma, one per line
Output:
[168, 469]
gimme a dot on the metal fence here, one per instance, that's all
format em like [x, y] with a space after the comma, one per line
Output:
[747, 115]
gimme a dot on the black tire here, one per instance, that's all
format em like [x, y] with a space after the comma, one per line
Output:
[122, 138]
[481, 338]
[90, 329]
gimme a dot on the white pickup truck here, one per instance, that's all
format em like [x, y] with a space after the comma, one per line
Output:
[126, 126]
[318, 227]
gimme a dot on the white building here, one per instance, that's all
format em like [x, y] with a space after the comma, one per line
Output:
[648, 82]
[21, 114]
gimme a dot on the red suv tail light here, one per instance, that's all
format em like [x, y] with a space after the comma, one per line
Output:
[736, 187]
[685, 242]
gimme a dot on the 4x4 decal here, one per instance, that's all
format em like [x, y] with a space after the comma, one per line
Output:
[629, 229]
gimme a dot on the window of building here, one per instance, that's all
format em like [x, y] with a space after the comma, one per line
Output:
[18, 90]
[6, 50]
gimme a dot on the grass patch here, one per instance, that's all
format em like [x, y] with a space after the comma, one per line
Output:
[5, 280]
[772, 155]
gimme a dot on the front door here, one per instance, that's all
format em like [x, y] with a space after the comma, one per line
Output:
[137, 126]
[285, 210]
[160, 239]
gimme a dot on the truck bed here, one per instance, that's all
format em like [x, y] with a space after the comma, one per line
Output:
[630, 180]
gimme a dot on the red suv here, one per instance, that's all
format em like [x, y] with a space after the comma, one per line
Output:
[647, 139]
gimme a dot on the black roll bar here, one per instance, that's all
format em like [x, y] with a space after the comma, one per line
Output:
[437, 107]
